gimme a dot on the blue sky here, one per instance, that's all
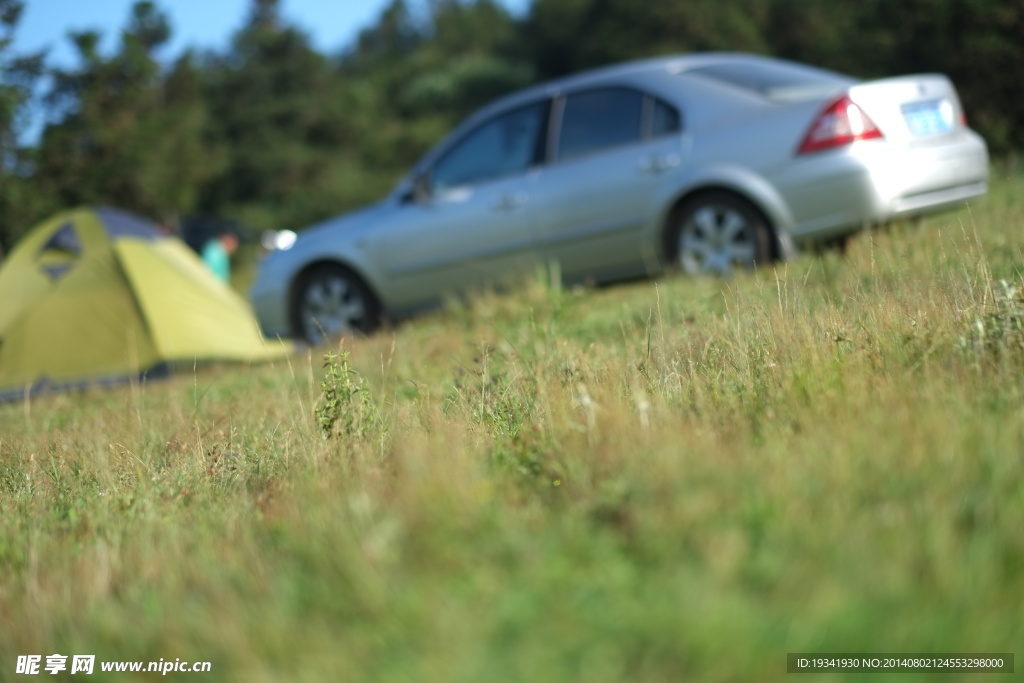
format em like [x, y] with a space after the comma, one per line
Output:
[332, 24]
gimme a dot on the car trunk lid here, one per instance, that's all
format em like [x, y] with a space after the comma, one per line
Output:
[911, 110]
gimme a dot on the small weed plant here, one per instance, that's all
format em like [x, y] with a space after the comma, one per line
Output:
[345, 408]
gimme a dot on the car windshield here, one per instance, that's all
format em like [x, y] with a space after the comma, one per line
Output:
[775, 81]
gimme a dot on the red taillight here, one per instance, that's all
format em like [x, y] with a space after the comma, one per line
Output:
[841, 123]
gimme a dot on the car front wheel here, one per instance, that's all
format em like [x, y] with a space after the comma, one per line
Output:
[331, 301]
[718, 232]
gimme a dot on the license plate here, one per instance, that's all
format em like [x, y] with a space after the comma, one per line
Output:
[928, 118]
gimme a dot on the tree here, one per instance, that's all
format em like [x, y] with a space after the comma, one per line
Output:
[975, 42]
[276, 118]
[565, 36]
[469, 59]
[123, 133]
[19, 202]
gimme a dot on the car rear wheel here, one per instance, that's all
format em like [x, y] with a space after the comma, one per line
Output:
[718, 232]
[331, 301]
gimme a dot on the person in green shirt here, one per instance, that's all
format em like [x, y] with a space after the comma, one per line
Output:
[217, 254]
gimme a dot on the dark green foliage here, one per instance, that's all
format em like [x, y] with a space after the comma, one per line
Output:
[974, 42]
[19, 202]
[569, 35]
[273, 134]
[277, 119]
[125, 131]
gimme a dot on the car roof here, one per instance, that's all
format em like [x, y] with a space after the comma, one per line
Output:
[667, 65]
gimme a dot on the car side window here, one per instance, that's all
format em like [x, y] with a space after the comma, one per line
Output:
[599, 119]
[665, 119]
[505, 145]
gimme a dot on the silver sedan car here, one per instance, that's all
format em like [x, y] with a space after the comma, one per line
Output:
[705, 163]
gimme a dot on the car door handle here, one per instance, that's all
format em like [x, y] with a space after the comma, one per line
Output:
[510, 202]
[658, 164]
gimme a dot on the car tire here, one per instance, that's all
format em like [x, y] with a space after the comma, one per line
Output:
[331, 301]
[715, 233]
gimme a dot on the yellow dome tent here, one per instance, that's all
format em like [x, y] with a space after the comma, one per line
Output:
[100, 295]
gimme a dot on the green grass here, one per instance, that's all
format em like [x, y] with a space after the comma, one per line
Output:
[663, 481]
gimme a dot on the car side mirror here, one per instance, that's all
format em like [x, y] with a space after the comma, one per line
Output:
[421, 190]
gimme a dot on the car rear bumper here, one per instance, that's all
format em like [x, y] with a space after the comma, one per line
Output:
[872, 182]
[937, 199]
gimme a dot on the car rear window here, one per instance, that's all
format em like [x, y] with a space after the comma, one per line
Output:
[773, 80]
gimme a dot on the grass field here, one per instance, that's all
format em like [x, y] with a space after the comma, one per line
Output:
[663, 481]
